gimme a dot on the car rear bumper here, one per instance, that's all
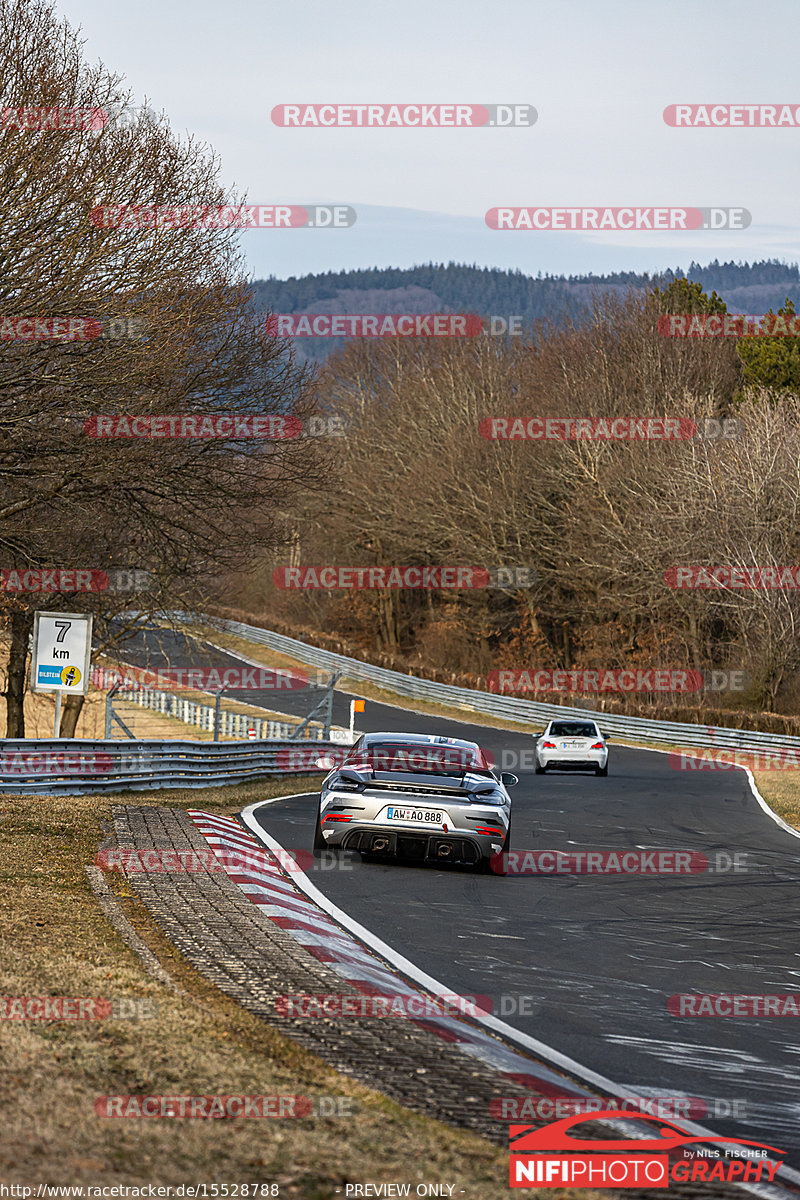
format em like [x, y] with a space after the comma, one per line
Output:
[456, 845]
[595, 758]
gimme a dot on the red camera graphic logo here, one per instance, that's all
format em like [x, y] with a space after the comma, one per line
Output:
[553, 1157]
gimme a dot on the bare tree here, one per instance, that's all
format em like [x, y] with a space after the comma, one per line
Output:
[186, 508]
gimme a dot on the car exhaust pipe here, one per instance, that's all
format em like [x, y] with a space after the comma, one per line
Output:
[380, 843]
[444, 850]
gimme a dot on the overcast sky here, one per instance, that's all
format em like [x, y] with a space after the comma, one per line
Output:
[598, 72]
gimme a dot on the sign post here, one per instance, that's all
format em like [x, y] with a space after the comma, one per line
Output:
[355, 706]
[62, 650]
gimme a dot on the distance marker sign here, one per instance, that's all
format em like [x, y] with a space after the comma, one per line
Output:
[62, 647]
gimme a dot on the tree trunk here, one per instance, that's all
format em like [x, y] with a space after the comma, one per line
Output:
[388, 620]
[21, 626]
[71, 709]
[694, 641]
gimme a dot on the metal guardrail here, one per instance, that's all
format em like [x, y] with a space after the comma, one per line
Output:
[532, 712]
[75, 766]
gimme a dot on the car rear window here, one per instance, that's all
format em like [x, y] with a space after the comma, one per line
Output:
[573, 729]
[419, 757]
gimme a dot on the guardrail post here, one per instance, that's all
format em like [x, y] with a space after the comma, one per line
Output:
[328, 718]
[111, 716]
[217, 712]
[109, 712]
[324, 707]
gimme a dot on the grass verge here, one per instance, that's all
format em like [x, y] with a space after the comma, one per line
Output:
[56, 942]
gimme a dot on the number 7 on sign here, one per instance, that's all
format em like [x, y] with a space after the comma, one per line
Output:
[62, 627]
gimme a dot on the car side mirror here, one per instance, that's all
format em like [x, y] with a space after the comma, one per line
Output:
[535, 736]
[606, 737]
[325, 763]
[509, 779]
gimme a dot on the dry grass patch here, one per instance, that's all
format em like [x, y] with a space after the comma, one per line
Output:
[781, 790]
[55, 941]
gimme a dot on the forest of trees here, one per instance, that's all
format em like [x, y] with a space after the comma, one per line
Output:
[749, 287]
[600, 523]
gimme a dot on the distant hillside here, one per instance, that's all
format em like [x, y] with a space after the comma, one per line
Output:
[745, 287]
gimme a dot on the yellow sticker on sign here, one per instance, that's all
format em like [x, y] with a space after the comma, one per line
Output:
[70, 676]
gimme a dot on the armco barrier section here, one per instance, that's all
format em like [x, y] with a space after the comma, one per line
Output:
[74, 766]
[639, 729]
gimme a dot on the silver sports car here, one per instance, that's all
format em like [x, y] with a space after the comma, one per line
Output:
[416, 796]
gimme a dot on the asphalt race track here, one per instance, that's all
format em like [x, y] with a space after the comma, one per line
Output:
[599, 954]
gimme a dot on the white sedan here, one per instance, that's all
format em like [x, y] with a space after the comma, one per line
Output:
[568, 745]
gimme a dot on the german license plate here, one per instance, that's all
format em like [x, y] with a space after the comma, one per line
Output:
[420, 816]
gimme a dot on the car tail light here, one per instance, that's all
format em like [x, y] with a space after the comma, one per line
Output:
[597, 746]
[331, 818]
[548, 745]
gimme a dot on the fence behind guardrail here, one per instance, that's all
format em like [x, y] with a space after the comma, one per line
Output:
[74, 766]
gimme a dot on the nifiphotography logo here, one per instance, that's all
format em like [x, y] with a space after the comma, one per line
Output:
[552, 1156]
